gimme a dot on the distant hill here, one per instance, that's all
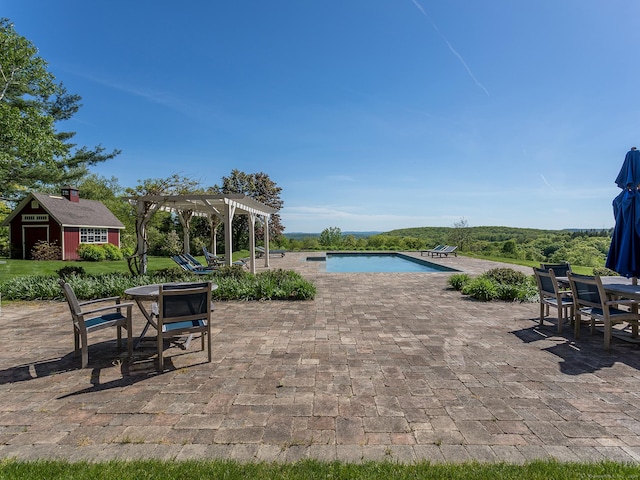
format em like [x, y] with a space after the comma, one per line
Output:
[440, 234]
[301, 235]
[489, 234]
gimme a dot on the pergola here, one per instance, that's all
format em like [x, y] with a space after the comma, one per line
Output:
[218, 208]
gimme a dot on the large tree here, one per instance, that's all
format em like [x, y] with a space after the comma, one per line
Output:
[34, 154]
[261, 188]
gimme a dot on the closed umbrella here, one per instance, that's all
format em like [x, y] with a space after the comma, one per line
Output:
[624, 252]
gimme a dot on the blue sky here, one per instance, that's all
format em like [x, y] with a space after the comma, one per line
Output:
[371, 115]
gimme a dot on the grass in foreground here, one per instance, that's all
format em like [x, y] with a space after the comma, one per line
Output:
[311, 469]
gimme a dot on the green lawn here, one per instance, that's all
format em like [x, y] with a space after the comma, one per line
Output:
[21, 268]
[531, 263]
[310, 469]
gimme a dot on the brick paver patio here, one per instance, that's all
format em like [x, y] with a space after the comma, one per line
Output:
[391, 366]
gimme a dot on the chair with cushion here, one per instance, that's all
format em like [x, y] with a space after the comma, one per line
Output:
[591, 301]
[91, 316]
[445, 251]
[183, 309]
[212, 260]
[261, 252]
[551, 295]
[194, 261]
[185, 265]
[437, 248]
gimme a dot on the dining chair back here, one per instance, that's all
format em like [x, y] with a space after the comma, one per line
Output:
[559, 269]
[184, 309]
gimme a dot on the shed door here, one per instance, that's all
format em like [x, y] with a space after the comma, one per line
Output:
[32, 235]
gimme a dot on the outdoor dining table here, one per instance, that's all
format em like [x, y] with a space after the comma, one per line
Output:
[148, 294]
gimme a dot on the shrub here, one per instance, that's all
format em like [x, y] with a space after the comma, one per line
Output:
[481, 288]
[526, 292]
[507, 276]
[70, 270]
[44, 250]
[231, 271]
[604, 272]
[112, 252]
[270, 285]
[459, 280]
[91, 253]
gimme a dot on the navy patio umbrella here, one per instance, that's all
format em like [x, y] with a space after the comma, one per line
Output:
[624, 252]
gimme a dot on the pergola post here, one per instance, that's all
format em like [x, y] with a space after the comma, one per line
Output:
[266, 242]
[252, 242]
[229, 211]
[185, 219]
[141, 220]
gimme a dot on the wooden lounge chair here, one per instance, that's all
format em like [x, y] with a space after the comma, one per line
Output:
[212, 260]
[437, 248]
[552, 296]
[261, 251]
[190, 268]
[194, 261]
[445, 251]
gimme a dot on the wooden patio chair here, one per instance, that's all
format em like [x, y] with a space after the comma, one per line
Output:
[97, 317]
[591, 300]
[551, 295]
[183, 309]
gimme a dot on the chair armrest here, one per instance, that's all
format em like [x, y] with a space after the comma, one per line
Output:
[622, 302]
[128, 306]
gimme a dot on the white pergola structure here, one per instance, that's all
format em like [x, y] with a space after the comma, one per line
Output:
[218, 208]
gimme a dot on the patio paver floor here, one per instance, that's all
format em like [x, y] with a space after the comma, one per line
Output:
[387, 366]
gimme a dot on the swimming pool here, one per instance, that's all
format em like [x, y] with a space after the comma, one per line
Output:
[377, 262]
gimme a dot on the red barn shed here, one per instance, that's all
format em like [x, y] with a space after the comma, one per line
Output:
[65, 220]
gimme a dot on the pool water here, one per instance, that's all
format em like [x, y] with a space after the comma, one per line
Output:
[379, 262]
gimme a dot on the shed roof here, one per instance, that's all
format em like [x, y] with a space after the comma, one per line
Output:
[84, 213]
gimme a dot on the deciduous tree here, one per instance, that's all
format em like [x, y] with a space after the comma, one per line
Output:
[261, 188]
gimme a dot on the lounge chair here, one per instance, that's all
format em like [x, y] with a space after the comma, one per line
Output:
[194, 261]
[445, 251]
[212, 260]
[185, 265]
[430, 251]
[261, 251]
[551, 295]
